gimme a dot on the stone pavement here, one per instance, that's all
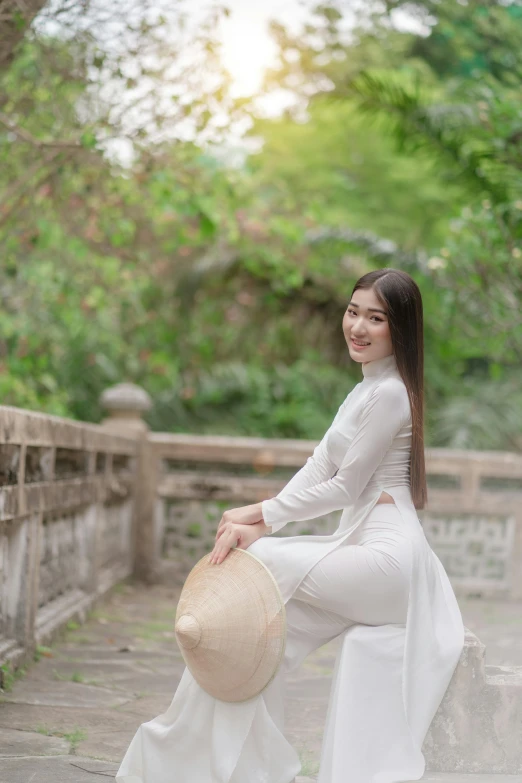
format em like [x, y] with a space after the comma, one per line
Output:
[71, 716]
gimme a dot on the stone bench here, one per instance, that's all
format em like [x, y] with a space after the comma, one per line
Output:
[478, 727]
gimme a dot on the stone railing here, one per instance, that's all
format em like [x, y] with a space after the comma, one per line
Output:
[66, 523]
[474, 519]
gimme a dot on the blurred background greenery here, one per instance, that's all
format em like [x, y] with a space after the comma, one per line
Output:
[158, 225]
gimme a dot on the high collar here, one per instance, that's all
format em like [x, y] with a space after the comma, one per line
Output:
[378, 367]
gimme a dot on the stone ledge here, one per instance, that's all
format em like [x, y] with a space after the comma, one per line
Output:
[473, 730]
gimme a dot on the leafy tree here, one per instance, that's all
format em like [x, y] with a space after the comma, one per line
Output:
[450, 95]
[132, 250]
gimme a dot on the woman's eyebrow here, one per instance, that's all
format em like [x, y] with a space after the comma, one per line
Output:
[370, 309]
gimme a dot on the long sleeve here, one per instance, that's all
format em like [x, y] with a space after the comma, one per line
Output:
[383, 415]
[318, 467]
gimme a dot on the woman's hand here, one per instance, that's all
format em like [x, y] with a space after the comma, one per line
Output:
[230, 534]
[244, 515]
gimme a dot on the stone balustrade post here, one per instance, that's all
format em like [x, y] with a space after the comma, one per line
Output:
[126, 403]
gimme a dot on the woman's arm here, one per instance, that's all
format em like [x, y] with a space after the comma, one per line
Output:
[383, 415]
[318, 467]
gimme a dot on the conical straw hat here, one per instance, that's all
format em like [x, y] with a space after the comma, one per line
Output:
[231, 625]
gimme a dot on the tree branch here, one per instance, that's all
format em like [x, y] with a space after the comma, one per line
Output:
[18, 184]
[15, 18]
[6, 212]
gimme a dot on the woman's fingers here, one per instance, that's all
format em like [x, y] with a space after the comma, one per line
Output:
[221, 526]
[223, 546]
[224, 528]
[219, 554]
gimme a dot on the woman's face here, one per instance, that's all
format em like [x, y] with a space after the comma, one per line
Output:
[366, 328]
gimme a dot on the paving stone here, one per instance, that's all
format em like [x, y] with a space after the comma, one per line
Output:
[32, 718]
[450, 778]
[108, 745]
[66, 694]
[18, 742]
[146, 707]
[58, 769]
[128, 676]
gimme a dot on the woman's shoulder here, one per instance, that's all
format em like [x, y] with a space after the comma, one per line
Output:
[391, 391]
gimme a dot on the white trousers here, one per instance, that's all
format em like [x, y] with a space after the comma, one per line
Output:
[366, 581]
[203, 740]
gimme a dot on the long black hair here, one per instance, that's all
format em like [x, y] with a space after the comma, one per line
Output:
[400, 296]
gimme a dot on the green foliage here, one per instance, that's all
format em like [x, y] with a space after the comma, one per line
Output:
[459, 134]
[9, 675]
[221, 288]
[74, 737]
[341, 169]
[474, 39]
[42, 650]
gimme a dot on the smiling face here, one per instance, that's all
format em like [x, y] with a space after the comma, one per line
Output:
[366, 328]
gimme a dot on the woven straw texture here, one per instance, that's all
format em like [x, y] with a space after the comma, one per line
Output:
[231, 626]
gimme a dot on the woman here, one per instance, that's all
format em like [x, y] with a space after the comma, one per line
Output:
[375, 583]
